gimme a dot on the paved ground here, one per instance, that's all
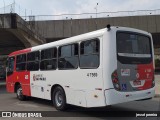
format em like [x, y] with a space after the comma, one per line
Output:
[9, 102]
[157, 81]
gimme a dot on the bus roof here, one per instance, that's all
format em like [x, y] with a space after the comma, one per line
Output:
[61, 42]
[73, 39]
[20, 52]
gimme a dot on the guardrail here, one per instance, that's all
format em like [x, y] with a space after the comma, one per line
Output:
[94, 15]
[15, 8]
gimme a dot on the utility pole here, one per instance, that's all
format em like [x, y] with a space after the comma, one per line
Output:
[4, 6]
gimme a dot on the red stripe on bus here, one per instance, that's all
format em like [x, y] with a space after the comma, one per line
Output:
[20, 52]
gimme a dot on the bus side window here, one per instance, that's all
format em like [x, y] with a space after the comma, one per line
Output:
[48, 59]
[21, 62]
[89, 54]
[33, 61]
[68, 57]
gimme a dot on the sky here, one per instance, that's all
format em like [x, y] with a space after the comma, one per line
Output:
[56, 7]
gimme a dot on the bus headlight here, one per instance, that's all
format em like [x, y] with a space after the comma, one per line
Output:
[115, 80]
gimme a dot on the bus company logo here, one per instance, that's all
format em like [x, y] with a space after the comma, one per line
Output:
[37, 77]
[125, 72]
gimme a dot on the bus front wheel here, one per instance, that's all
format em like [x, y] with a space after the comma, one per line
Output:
[59, 98]
[19, 93]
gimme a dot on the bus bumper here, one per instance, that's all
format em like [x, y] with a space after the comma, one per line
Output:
[115, 97]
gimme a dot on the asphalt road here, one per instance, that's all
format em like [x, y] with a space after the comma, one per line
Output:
[9, 102]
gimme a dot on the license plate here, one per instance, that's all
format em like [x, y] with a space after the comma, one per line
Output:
[136, 83]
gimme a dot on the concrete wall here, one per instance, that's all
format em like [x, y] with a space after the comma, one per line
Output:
[68, 28]
[5, 21]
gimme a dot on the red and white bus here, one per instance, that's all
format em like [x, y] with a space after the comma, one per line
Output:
[104, 67]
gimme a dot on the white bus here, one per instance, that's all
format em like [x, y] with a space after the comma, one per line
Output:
[104, 67]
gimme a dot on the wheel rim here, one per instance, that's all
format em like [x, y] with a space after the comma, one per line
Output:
[58, 98]
[19, 92]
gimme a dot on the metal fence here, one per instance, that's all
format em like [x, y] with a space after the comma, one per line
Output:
[27, 14]
[8, 9]
[95, 15]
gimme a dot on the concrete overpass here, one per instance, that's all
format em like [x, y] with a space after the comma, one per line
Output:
[16, 33]
[57, 29]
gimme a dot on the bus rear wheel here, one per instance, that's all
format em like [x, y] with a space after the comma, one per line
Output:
[59, 98]
[19, 93]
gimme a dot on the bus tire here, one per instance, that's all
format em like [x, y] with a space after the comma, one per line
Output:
[19, 93]
[59, 98]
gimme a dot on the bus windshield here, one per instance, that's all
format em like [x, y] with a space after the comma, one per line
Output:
[133, 48]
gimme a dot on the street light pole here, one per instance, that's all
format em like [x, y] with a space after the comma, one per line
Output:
[96, 15]
[14, 3]
[96, 9]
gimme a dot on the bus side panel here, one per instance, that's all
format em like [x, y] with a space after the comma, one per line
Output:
[95, 98]
[24, 79]
[39, 83]
[9, 84]
[86, 94]
[109, 58]
[75, 97]
[85, 91]
[79, 88]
